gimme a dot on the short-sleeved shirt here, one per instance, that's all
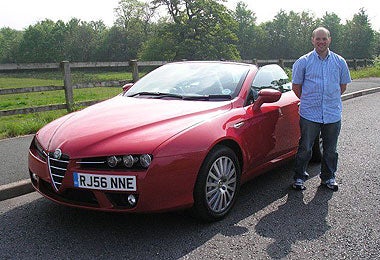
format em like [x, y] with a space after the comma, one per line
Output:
[321, 79]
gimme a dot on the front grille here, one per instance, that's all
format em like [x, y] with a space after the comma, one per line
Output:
[57, 169]
[73, 196]
[97, 163]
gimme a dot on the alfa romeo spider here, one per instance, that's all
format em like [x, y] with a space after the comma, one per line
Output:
[185, 136]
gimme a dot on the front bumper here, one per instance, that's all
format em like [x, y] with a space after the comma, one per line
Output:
[167, 185]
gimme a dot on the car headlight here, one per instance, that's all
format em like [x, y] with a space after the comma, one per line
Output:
[129, 160]
[39, 149]
[122, 161]
[112, 161]
[145, 160]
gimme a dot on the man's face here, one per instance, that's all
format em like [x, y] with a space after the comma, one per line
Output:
[321, 41]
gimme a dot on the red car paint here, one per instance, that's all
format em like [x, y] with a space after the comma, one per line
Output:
[177, 133]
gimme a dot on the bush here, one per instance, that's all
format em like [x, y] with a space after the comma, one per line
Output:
[376, 62]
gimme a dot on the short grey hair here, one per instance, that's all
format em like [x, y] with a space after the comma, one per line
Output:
[321, 28]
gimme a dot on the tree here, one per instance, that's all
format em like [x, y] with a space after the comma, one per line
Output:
[82, 39]
[43, 42]
[249, 35]
[113, 46]
[159, 46]
[358, 36]
[9, 41]
[290, 34]
[333, 23]
[185, 29]
[376, 45]
[300, 28]
[201, 29]
[133, 21]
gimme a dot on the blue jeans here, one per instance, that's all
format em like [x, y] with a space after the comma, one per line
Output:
[309, 132]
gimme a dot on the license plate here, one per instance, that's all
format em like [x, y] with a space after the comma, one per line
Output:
[104, 182]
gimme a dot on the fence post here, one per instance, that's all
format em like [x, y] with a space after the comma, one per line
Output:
[67, 85]
[281, 63]
[135, 70]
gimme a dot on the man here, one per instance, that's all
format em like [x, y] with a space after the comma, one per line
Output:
[319, 78]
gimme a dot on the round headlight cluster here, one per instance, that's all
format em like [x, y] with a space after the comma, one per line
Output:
[129, 161]
[112, 161]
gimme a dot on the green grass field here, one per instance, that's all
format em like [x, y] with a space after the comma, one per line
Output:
[16, 125]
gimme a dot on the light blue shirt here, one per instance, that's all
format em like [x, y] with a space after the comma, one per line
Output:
[321, 79]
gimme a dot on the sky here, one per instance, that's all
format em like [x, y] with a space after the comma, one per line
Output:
[19, 14]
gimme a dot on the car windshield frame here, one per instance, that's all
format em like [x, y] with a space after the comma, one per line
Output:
[192, 81]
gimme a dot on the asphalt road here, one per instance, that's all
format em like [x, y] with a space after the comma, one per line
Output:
[270, 220]
[14, 163]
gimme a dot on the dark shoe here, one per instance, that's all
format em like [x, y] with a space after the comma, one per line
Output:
[299, 185]
[331, 184]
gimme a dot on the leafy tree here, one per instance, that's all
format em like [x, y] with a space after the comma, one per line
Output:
[300, 27]
[358, 36]
[189, 29]
[160, 46]
[249, 36]
[9, 41]
[376, 45]
[201, 29]
[133, 23]
[276, 37]
[133, 14]
[333, 23]
[82, 39]
[113, 45]
[43, 42]
[289, 34]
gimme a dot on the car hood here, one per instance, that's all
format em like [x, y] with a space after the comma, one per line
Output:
[125, 125]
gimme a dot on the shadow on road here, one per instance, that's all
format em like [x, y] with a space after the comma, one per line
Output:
[294, 221]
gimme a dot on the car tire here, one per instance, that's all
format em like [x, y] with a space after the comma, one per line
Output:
[317, 149]
[217, 185]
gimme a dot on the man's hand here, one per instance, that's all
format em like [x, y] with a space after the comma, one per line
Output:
[297, 88]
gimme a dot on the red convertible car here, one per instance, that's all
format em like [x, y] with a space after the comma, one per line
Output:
[186, 135]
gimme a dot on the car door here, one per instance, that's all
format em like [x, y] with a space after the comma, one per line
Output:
[274, 128]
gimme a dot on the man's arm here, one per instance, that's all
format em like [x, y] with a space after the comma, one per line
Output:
[343, 88]
[297, 88]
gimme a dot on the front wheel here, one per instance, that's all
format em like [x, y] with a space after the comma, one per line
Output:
[217, 184]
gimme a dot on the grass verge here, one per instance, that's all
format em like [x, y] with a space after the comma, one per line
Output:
[17, 125]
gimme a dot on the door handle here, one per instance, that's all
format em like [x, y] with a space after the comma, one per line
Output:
[238, 125]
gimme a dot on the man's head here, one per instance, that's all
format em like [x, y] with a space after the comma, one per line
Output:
[321, 40]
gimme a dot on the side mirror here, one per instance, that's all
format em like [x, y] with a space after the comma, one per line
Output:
[266, 96]
[127, 86]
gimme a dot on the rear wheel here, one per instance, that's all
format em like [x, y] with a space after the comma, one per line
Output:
[217, 184]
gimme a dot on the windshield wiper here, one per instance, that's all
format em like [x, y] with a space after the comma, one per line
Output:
[156, 95]
[171, 95]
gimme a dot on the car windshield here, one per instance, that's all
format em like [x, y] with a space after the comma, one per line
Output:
[191, 80]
